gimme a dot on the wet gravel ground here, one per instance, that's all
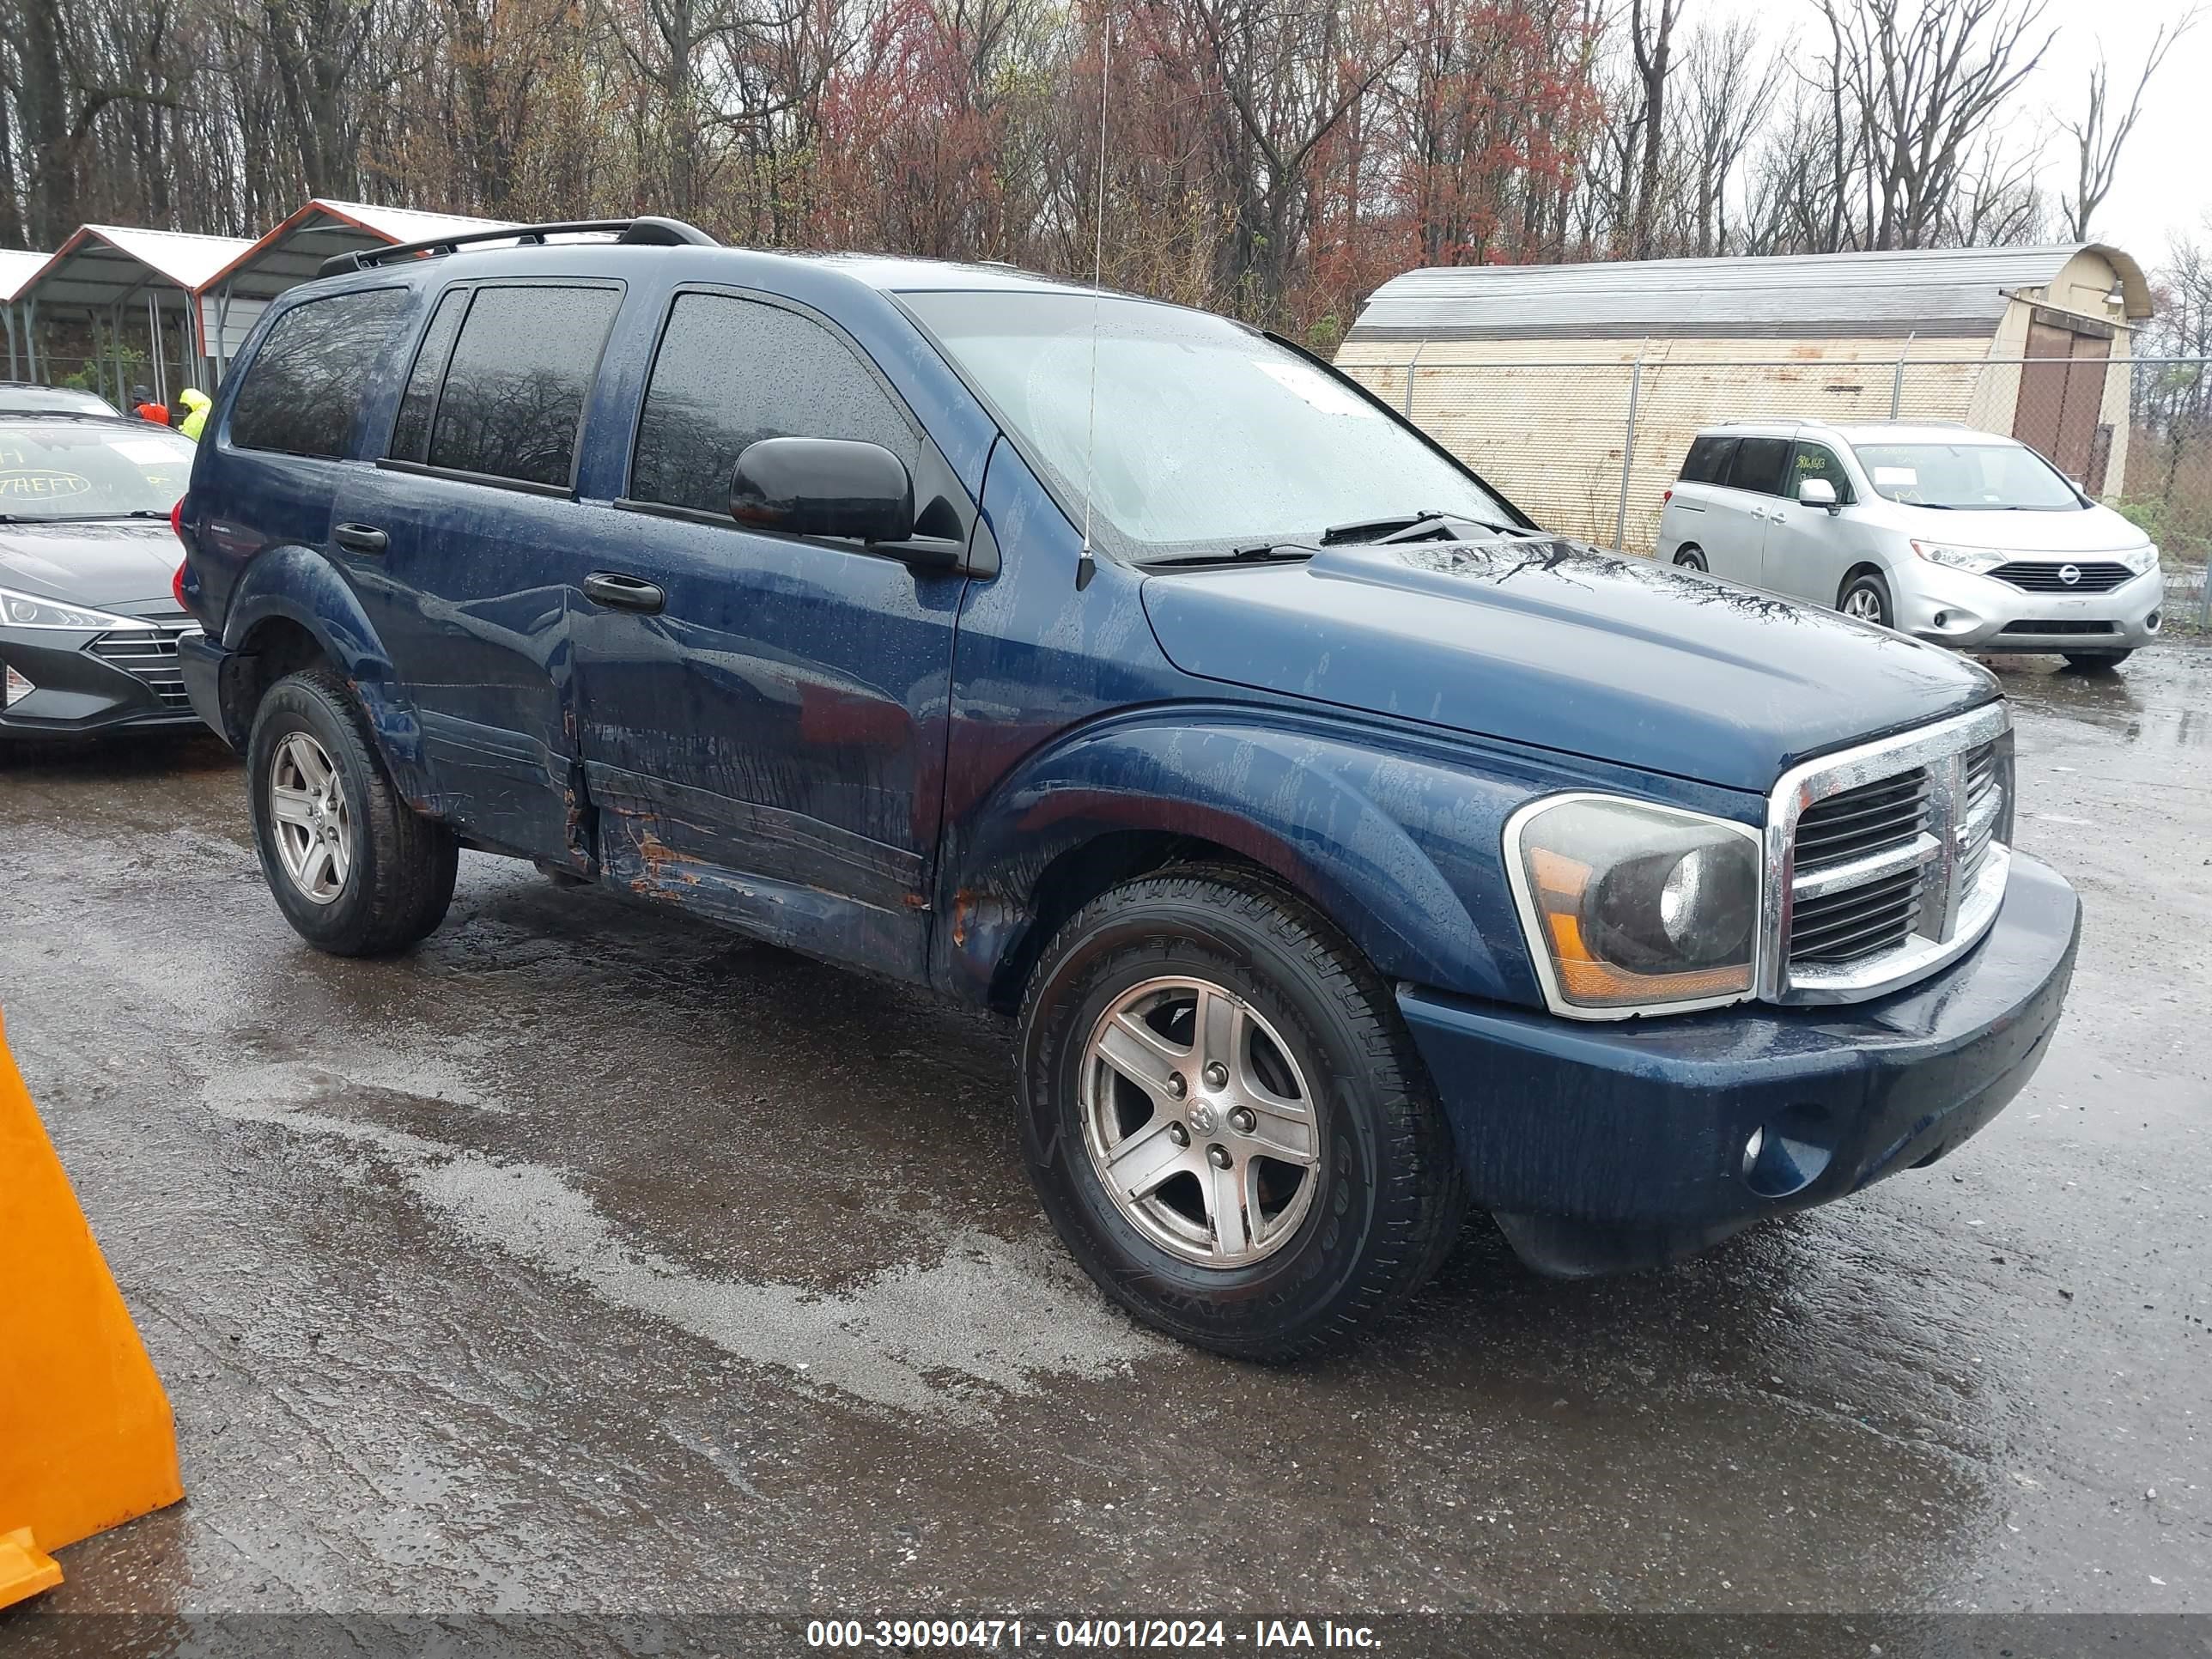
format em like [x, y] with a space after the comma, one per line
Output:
[591, 1259]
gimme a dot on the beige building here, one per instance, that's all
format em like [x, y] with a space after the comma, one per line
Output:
[1576, 388]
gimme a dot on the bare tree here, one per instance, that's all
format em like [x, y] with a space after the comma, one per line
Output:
[1925, 79]
[1651, 40]
[1731, 99]
[2100, 130]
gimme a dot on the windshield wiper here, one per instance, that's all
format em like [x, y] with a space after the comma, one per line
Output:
[1379, 530]
[1411, 527]
[1266, 553]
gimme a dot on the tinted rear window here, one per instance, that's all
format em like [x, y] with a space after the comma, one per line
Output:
[1707, 460]
[302, 391]
[1760, 464]
[521, 372]
[731, 371]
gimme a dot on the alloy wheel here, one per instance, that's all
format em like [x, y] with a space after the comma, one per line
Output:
[1199, 1124]
[1864, 604]
[313, 828]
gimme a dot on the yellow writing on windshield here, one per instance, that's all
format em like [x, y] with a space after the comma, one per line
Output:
[41, 485]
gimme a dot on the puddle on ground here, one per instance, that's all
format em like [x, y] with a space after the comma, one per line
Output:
[2159, 701]
[913, 1338]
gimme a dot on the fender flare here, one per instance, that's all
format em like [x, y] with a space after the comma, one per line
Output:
[1401, 850]
[297, 584]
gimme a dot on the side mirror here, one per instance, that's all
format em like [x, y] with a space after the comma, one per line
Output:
[824, 487]
[1818, 492]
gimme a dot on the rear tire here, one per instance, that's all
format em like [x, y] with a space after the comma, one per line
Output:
[2098, 662]
[1866, 597]
[354, 869]
[1690, 558]
[1364, 1201]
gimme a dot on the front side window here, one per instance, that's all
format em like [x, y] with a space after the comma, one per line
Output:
[521, 370]
[302, 391]
[730, 372]
[1760, 464]
[1194, 434]
[1819, 461]
[52, 471]
[1978, 477]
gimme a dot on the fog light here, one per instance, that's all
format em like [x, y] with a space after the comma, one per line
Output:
[2150, 622]
[1787, 1155]
[1943, 619]
[14, 688]
[1752, 1148]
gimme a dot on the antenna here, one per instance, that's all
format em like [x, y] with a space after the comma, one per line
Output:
[1087, 565]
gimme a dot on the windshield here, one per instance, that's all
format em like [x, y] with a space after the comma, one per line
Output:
[46, 399]
[1207, 436]
[92, 470]
[1981, 478]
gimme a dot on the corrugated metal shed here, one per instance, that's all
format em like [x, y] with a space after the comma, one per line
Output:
[1958, 293]
[294, 249]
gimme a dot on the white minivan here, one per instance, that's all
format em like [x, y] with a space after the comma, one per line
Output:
[1955, 536]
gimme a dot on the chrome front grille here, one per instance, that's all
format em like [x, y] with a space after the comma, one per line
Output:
[1888, 861]
[149, 654]
[1984, 807]
[2038, 576]
[1887, 812]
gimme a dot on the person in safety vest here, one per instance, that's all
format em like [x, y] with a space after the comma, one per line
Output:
[195, 402]
[144, 406]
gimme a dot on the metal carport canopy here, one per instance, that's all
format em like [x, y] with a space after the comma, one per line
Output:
[103, 265]
[101, 268]
[16, 269]
[293, 252]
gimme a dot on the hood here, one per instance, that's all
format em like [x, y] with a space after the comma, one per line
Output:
[121, 561]
[193, 397]
[2023, 535]
[1547, 643]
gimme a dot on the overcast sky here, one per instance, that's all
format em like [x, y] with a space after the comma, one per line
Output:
[2164, 183]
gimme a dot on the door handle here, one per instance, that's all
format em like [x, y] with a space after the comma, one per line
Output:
[621, 592]
[360, 538]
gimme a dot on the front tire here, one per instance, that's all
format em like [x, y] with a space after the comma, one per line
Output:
[354, 868]
[1866, 597]
[1225, 1119]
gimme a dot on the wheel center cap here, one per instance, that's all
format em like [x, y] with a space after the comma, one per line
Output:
[1204, 1119]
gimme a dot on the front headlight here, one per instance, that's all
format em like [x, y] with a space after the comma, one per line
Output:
[22, 611]
[2139, 559]
[1631, 908]
[1976, 559]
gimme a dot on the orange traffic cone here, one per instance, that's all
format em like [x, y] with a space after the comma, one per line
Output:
[86, 1438]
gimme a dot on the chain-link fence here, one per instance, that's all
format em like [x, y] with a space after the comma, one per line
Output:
[1588, 449]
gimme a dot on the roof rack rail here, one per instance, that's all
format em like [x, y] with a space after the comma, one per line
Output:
[647, 231]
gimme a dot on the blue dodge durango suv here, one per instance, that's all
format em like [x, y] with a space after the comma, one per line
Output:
[1348, 849]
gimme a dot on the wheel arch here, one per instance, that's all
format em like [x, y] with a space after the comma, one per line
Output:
[292, 607]
[1864, 567]
[1140, 794]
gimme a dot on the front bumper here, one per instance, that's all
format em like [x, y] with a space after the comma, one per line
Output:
[1980, 613]
[1607, 1148]
[88, 683]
